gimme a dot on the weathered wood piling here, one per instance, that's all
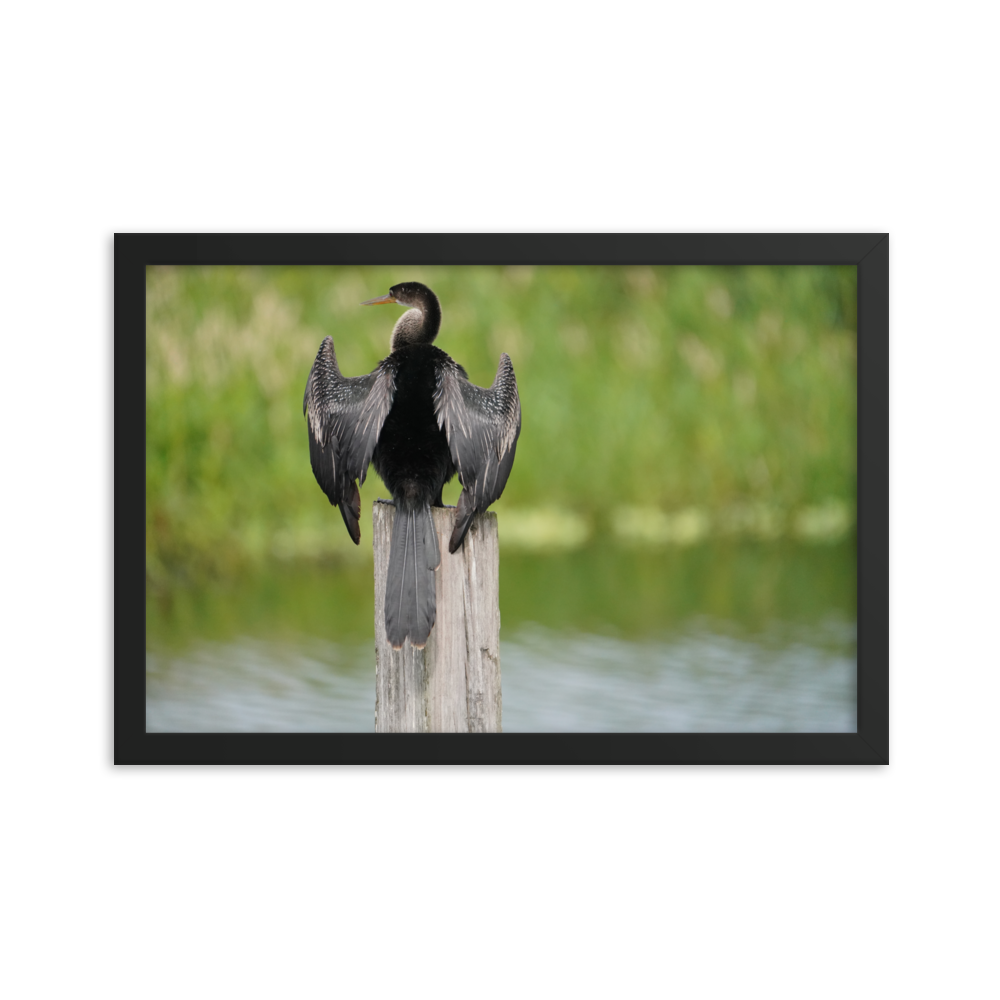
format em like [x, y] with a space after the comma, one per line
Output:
[452, 685]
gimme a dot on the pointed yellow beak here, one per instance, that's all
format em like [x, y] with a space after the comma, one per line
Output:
[382, 300]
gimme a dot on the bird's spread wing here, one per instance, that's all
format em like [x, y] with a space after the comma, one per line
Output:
[482, 426]
[345, 417]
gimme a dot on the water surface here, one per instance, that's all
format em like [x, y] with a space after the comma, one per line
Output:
[741, 638]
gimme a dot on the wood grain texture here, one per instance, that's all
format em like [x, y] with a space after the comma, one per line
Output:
[453, 684]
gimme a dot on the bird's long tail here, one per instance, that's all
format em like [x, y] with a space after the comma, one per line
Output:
[410, 605]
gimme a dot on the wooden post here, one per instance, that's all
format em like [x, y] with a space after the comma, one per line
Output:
[453, 684]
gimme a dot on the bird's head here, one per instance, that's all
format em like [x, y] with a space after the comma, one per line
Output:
[421, 321]
[408, 293]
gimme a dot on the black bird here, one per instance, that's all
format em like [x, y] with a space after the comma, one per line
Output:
[418, 419]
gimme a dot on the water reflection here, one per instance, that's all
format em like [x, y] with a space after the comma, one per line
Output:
[255, 685]
[742, 639]
[794, 680]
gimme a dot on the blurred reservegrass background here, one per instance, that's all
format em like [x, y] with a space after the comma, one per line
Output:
[662, 406]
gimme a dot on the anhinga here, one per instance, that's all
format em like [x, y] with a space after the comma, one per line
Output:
[418, 419]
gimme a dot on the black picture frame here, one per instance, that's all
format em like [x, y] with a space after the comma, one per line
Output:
[133, 252]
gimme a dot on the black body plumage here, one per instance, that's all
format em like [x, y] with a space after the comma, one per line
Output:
[418, 419]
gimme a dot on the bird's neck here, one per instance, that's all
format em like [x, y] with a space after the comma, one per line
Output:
[419, 324]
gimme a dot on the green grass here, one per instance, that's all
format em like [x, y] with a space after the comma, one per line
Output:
[661, 405]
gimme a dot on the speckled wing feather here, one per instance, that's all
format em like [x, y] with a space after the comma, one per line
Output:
[345, 417]
[482, 427]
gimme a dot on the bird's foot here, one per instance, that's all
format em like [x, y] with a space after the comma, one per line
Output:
[391, 503]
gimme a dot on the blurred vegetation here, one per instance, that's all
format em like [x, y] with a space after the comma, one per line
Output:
[661, 405]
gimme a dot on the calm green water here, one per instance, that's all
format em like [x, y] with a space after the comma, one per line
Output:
[726, 638]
